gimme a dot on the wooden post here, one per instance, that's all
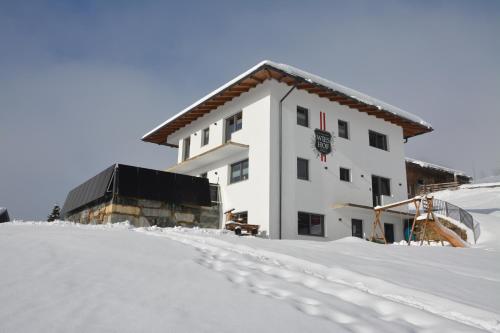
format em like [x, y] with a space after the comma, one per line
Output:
[417, 214]
[379, 224]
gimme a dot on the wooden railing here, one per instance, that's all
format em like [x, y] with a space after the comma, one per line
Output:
[429, 188]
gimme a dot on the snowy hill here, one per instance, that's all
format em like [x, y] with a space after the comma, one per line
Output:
[63, 277]
[483, 202]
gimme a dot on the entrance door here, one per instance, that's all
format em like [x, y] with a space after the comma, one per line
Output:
[389, 232]
[357, 228]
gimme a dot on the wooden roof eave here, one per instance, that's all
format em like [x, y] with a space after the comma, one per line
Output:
[266, 72]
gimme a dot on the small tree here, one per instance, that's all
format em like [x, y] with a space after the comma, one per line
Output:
[55, 215]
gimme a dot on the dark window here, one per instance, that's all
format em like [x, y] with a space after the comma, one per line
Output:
[205, 136]
[380, 186]
[186, 146]
[420, 181]
[345, 174]
[378, 140]
[302, 116]
[311, 224]
[302, 169]
[239, 171]
[233, 124]
[357, 228]
[343, 129]
[203, 175]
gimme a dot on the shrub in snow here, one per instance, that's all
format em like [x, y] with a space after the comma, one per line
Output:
[55, 214]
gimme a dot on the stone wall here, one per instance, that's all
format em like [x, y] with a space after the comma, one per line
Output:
[146, 213]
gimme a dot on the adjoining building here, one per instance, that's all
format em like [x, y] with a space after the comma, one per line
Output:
[426, 177]
[4, 215]
[299, 155]
[144, 197]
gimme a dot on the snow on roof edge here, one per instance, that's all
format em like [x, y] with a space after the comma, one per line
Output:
[435, 166]
[308, 77]
[204, 98]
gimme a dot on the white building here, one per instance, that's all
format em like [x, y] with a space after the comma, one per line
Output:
[258, 138]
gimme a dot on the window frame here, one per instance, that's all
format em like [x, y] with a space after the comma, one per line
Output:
[379, 185]
[240, 177]
[352, 225]
[349, 176]
[234, 117]
[300, 159]
[347, 137]
[385, 142]
[306, 112]
[310, 215]
[186, 148]
[205, 136]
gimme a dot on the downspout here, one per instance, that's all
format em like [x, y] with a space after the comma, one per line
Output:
[280, 153]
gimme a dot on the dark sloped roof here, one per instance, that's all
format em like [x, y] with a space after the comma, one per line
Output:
[89, 191]
[136, 182]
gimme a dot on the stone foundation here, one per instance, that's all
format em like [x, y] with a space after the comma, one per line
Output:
[146, 213]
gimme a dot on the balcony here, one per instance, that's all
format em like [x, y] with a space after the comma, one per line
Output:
[214, 157]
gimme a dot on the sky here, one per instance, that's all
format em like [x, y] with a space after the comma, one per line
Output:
[82, 81]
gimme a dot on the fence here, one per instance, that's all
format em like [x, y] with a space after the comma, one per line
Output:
[447, 209]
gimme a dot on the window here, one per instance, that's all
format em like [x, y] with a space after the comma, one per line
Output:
[203, 175]
[302, 116]
[378, 140]
[380, 186]
[233, 124]
[302, 169]
[357, 228]
[343, 129]
[311, 224]
[239, 171]
[186, 145]
[205, 136]
[345, 174]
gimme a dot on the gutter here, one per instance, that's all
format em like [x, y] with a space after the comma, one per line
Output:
[280, 153]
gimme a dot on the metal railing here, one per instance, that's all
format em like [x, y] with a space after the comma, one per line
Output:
[450, 210]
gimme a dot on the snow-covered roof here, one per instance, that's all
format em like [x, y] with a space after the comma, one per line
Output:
[349, 92]
[435, 167]
[373, 106]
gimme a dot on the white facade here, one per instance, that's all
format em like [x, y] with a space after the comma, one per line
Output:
[324, 193]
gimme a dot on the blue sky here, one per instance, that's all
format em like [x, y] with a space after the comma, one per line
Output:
[81, 81]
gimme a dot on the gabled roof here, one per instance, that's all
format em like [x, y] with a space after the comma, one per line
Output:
[268, 70]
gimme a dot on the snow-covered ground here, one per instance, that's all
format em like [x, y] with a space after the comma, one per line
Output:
[62, 277]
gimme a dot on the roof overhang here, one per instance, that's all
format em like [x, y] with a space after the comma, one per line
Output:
[214, 155]
[268, 70]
